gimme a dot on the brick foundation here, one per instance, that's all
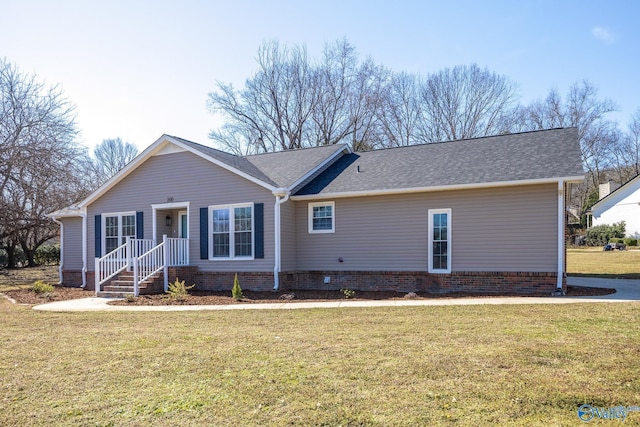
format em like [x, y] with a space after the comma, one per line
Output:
[216, 281]
[72, 278]
[188, 274]
[485, 283]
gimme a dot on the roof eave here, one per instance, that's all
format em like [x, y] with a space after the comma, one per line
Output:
[69, 212]
[567, 179]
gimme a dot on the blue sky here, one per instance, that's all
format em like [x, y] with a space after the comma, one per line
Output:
[138, 69]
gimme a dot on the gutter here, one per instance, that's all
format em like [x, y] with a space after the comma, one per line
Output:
[83, 215]
[282, 195]
[561, 231]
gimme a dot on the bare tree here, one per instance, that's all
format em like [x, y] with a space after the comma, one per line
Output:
[400, 112]
[599, 136]
[39, 159]
[291, 102]
[334, 80]
[584, 110]
[464, 102]
[112, 155]
[628, 151]
[271, 111]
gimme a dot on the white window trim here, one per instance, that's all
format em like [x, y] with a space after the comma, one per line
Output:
[432, 212]
[103, 225]
[333, 217]
[232, 256]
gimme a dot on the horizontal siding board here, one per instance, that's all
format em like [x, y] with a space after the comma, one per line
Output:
[504, 229]
[72, 243]
[288, 239]
[184, 177]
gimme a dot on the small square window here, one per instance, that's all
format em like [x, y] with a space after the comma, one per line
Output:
[322, 217]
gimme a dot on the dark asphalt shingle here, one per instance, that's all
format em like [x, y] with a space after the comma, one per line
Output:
[279, 169]
[513, 157]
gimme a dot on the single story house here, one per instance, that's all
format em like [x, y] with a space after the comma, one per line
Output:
[621, 204]
[483, 215]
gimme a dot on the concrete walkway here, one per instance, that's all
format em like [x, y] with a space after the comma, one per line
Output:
[626, 291]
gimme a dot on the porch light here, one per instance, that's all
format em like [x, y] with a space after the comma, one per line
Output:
[168, 221]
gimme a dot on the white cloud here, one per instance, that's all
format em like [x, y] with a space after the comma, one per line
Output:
[602, 34]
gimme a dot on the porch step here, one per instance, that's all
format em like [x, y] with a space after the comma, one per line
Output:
[122, 286]
[105, 294]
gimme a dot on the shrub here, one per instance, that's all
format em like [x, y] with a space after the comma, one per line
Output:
[40, 287]
[616, 240]
[600, 235]
[178, 290]
[348, 293]
[18, 254]
[47, 255]
[631, 241]
[236, 291]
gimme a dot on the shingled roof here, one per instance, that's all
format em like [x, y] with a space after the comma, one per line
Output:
[528, 156]
[288, 167]
[280, 169]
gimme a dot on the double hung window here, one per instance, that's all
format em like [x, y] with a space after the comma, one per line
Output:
[322, 217]
[439, 240]
[232, 235]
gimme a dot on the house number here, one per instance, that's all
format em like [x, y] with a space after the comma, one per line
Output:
[169, 199]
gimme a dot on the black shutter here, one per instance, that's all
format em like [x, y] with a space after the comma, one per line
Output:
[139, 226]
[204, 233]
[258, 221]
[98, 234]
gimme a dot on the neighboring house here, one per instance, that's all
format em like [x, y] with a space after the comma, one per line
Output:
[621, 204]
[483, 215]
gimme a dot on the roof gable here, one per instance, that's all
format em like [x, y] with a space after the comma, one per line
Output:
[617, 195]
[523, 157]
[288, 168]
[271, 171]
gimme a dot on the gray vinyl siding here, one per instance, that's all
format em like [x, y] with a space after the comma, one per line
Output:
[288, 236]
[501, 229]
[72, 243]
[185, 177]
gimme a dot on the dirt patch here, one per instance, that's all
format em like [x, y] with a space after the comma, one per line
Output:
[28, 275]
[16, 284]
[224, 297]
[60, 293]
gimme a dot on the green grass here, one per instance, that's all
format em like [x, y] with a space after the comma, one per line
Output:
[458, 365]
[597, 263]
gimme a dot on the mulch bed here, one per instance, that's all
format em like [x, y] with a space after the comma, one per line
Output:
[60, 293]
[27, 296]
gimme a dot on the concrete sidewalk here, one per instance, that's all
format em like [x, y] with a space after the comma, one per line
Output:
[626, 291]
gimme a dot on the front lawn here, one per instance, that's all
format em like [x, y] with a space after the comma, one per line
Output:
[598, 263]
[458, 365]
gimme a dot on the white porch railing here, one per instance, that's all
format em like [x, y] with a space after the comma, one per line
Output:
[148, 264]
[111, 264]
[140, 246]
[178, 250]
[144, 258]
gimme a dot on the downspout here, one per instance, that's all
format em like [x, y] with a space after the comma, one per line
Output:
[282, 195]
[84, 248]
[61, 249]
[560, 236]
